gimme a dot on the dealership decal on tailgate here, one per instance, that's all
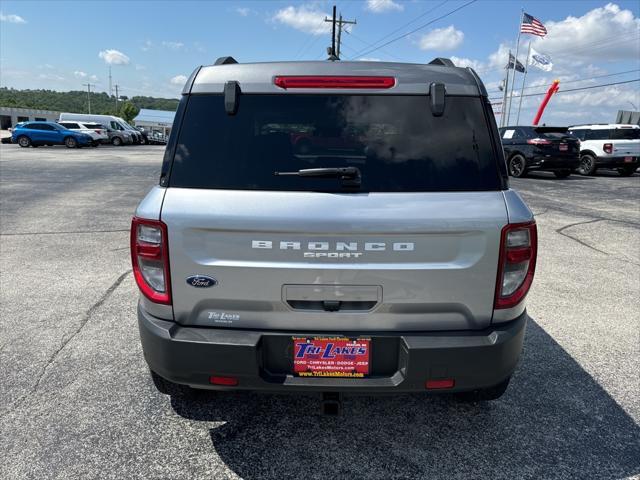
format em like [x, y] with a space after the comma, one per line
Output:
[331, 357]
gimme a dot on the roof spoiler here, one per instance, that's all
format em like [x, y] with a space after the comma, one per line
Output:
[225, 61]
[444, 62]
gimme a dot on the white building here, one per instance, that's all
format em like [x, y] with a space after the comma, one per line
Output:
[9, 116]
[155, 121]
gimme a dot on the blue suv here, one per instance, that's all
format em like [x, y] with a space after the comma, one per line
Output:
[35, 134]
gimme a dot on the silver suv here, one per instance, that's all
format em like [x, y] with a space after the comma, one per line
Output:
[333, 227]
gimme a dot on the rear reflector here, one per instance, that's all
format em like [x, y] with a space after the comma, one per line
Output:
[310, 81]
[517, 263]
[440, 384]
[225, 381]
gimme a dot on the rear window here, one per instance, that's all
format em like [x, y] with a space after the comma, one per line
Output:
[69, 125]
[625, 134]
[555, 133]
[395, 142]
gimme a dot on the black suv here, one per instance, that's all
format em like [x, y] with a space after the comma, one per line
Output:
[551, 149]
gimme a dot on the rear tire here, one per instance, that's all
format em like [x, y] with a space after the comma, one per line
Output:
[517, 166]
[70, 142]
[24, 141]
[116, 141]
[587, 165]
[143, 141]
[627, 171]
[484, 394]
[167, 387]
[562, 173]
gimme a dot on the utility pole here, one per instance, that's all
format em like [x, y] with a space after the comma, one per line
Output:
[117, 98]
[110, 86]
[88, 85]
[335, 52]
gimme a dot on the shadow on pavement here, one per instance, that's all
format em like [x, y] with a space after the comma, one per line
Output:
[555, 421]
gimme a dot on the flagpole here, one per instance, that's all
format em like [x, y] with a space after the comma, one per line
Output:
[515, 64]
[524, 79]
[503, 121]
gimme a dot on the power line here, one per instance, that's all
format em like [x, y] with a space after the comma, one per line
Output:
[418, 28]
[580, 79]
[400, 28]
[576, 89]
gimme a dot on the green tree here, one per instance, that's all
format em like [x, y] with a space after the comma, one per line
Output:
[128, 111]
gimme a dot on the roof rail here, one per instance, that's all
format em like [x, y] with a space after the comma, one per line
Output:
[225, 61]
[445, 62]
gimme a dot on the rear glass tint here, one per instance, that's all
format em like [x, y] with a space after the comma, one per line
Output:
[625, 134]
[395, 142]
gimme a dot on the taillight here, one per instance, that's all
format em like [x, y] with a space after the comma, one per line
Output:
[315, 81]
[538, 141]
[98, 132]
[150, 258]
[608, 148]
[517, 264]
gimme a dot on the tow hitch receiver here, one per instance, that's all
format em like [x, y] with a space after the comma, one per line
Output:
[331, 403]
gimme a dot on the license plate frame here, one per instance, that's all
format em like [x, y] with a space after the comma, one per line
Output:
[563, 147]
[628, 159]
[331, 357]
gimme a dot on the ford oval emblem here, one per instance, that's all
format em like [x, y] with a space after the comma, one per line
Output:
[201, 281]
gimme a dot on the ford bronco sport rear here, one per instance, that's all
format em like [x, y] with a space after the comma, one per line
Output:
[387, 255]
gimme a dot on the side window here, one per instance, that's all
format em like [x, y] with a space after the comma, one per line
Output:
[115, 125]
[579, 134]
[600, 134]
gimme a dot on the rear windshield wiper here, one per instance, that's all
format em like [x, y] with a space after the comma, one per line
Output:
[350, 176]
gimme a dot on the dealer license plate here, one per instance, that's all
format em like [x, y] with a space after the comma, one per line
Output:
[564, 147]
[331, 357]
[628, 159]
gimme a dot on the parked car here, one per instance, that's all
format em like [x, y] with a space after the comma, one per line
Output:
[110, 121]
[403, 268]
[99, 135]
[145, 136]
[35, 134]
[528, 148]
[609, 146]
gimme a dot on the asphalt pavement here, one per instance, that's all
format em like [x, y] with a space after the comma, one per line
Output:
[77, 401]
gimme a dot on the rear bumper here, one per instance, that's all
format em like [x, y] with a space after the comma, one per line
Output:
[617, 161]
[553, 163]
[400, 362]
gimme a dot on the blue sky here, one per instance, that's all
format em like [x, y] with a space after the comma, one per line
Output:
[152, 46]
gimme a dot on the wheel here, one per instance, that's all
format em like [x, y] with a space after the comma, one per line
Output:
[167, 387]
[116, 141]
[70, 142]
[517, 166]
[95, 143]
[562, 173]
[484, 394]
[143, 141]
[24, 141]
[587, 164]
[627, 171]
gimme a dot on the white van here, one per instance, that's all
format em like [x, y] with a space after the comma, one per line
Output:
[110, 121]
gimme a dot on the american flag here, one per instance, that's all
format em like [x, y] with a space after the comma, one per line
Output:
[532, 25]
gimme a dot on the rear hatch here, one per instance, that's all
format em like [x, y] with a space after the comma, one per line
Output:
[412, 243]
[626, 141]
[557, 142]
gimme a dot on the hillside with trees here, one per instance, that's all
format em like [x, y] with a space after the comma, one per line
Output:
[76, 101]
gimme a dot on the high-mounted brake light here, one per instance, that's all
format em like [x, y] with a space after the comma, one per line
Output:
[538, 141]
[517, 263]
[324, 81]
[150, 259]
[608, 148]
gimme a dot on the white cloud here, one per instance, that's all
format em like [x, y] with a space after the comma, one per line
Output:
[114, 57]
[11, 18]
[140, 67]
[466, 62]
[146, 46]
[244, 11]
[178, 80]
[173, 45]
[380, 6]
[93, 78]
[303, 18]
[441, 39]
[606, 33]
[369, 59]
[51, 77]
[79, 74]
[500, 57]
